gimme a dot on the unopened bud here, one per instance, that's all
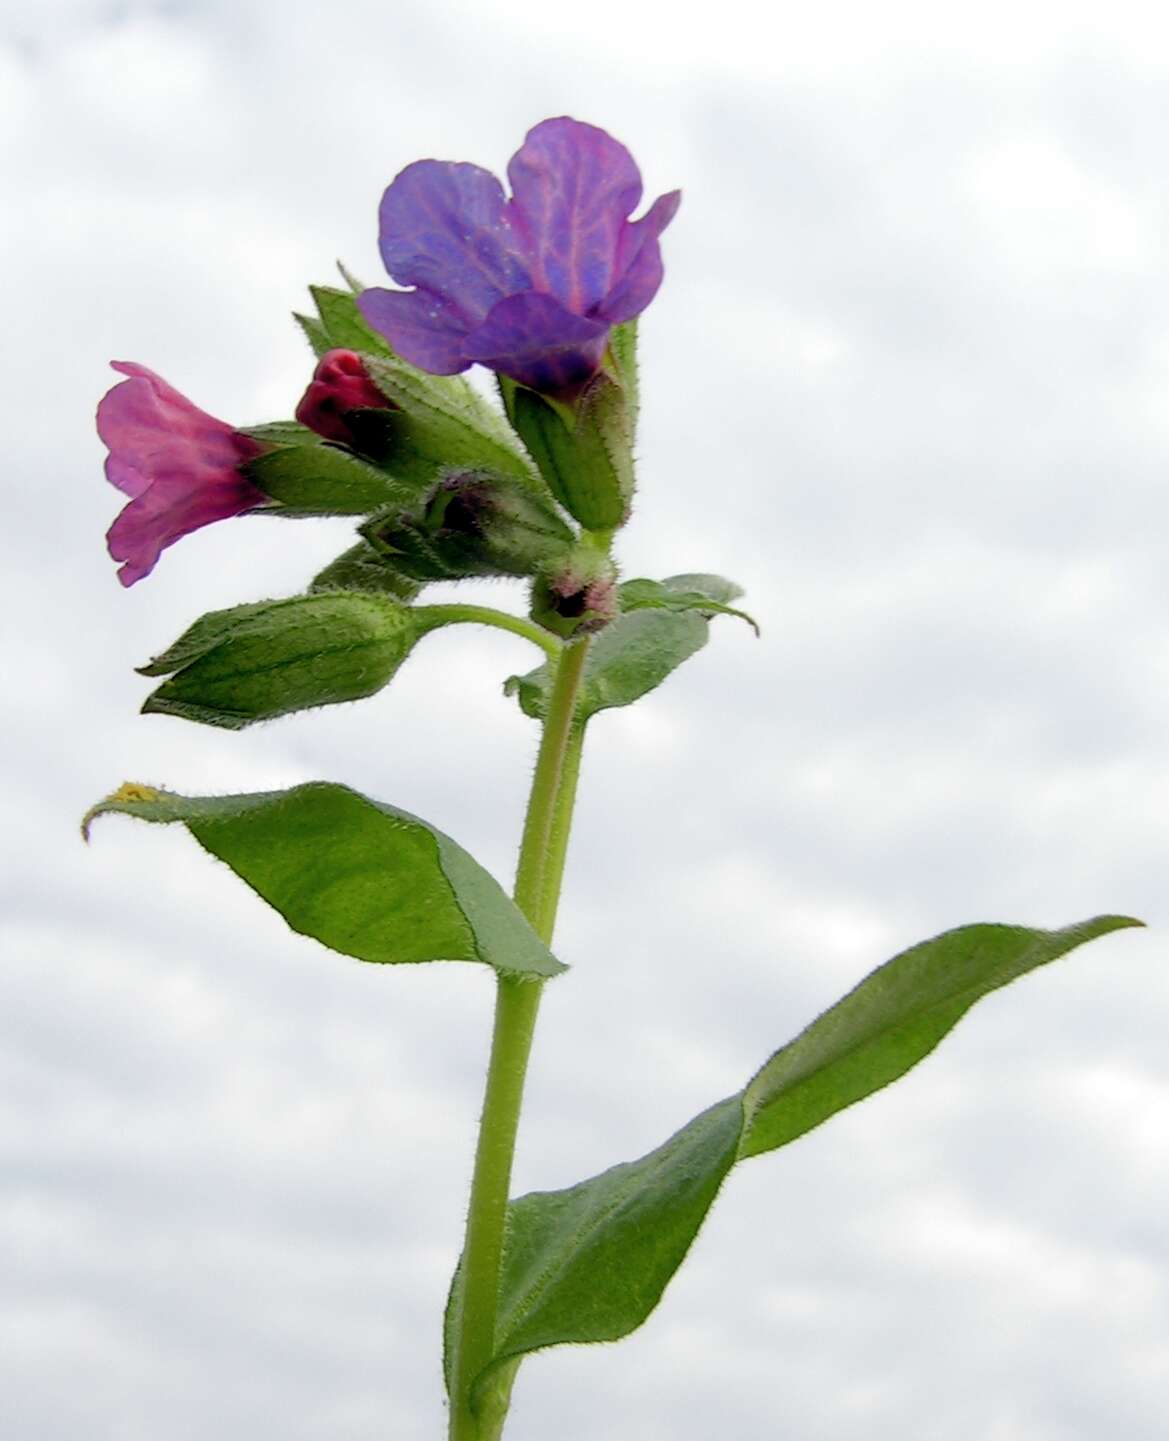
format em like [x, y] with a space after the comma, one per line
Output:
[579, 597]
[474, 523]
[340, 386]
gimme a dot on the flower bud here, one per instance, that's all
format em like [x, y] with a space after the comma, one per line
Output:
[340, 386]
[577, 598]
[473, 522]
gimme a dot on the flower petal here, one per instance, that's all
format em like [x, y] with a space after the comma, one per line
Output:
[423, 328]
[445, 228]
[638, 271]
[149, 426]
[573, 187]
[535, 340]
[170, 508]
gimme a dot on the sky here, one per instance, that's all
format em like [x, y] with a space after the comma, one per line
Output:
[907, 381]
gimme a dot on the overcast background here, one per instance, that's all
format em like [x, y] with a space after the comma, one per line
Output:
[908, 381]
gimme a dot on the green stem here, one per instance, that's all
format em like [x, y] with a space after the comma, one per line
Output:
[500, 619]
[517, 1002]
[562, 826]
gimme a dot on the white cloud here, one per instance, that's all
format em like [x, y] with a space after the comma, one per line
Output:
[906, 379]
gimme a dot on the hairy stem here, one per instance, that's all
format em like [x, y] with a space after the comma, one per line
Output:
[517, 1002]
[500, 619]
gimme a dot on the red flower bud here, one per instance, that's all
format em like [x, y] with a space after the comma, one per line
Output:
[340, 384]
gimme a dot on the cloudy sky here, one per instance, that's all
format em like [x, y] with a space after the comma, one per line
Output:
[908, 381]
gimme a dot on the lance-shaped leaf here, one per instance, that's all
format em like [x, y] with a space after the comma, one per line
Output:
[635, 652]
[894, 1018]
[253, 662]
[590, 1263]
[579, 1263]
[362, 878]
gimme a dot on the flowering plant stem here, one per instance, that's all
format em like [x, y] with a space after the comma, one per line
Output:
[537, 893]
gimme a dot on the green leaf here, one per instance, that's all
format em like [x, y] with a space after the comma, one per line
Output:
[361, 567]
[591, 1262]
[669, 595]
[637, 651]
[362, 878]
[253, 662]
[321, 479]
[894, 1018]
[713, 587]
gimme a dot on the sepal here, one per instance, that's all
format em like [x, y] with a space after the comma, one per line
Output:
[578, 596]
[439, 420]
[361, 567]
[314, 478]
[473, 523]
[583, 448]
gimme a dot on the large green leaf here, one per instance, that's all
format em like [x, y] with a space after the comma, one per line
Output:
[637, 651]
[253, 662]
[569, 1270]
[894, 1018]
[589, 1263]
[362, 878]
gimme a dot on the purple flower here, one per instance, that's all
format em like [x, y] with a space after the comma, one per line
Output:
[528, 286]
[339, 385]
[179, 466]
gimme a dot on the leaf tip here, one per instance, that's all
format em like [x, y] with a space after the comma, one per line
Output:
[127, 792]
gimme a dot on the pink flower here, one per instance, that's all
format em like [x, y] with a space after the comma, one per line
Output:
[340, 384]
[180, 467]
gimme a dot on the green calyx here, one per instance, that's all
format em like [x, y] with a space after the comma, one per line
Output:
[583, 448]
[472, 523]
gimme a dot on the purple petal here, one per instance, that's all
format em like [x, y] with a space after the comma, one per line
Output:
[423, 328]
[573, 187]
[445, 228]
[638, 271]
[535, 340]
